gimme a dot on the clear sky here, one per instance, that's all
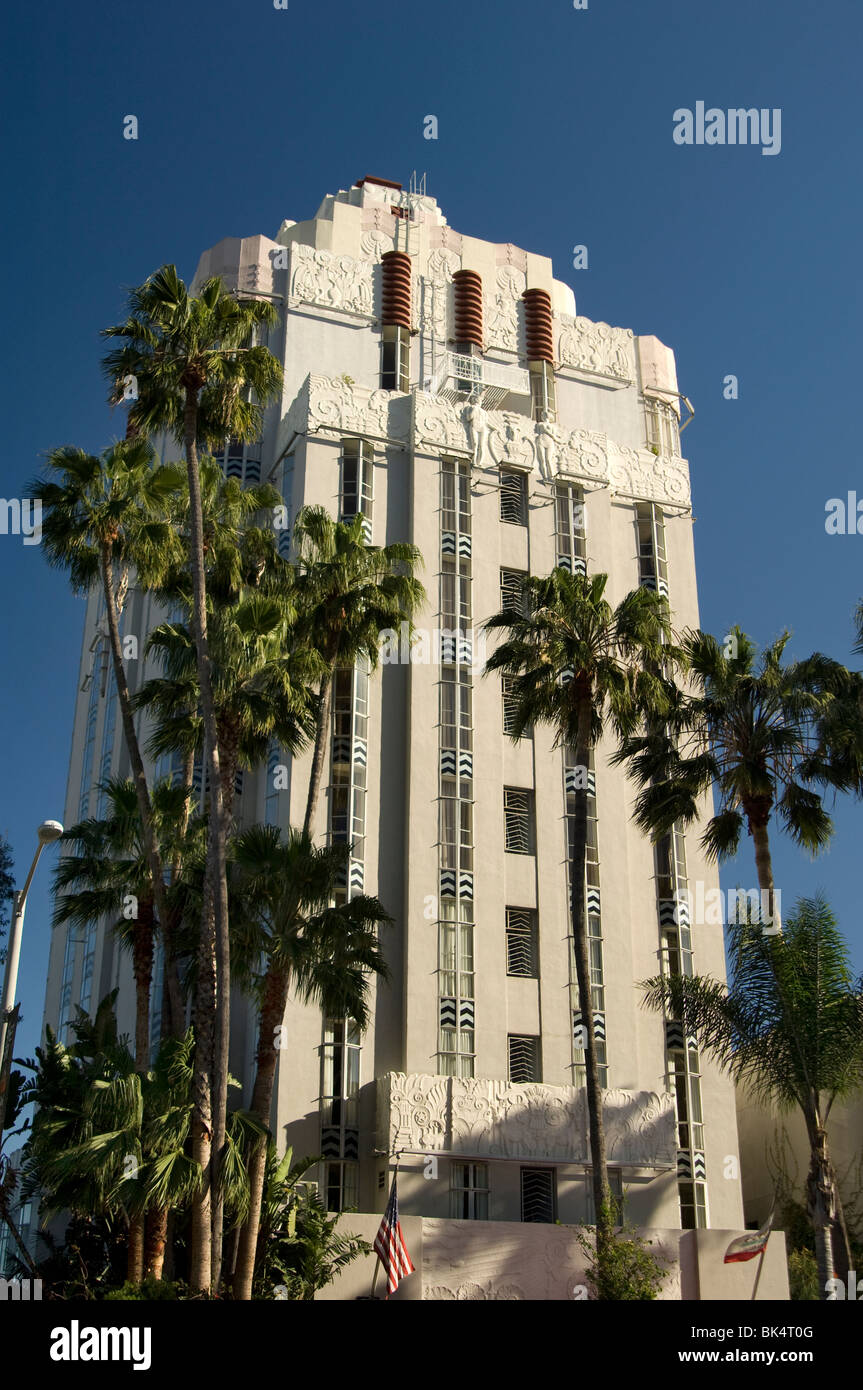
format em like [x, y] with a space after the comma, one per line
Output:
[554, 130]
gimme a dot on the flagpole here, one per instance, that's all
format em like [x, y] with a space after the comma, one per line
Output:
[760, 1267]
[397, 1157]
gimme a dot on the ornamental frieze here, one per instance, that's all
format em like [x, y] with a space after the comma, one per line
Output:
[501, 1119]
[331, 281]
[597, 349]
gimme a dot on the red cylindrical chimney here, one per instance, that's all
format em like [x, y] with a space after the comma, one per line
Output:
[468, 307]
[539, 334]
[396, 306]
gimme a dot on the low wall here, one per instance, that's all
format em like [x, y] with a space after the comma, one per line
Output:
[510, 1260]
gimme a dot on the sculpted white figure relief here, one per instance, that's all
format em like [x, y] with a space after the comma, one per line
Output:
[334, 282]
[501, 309]
[597, 348]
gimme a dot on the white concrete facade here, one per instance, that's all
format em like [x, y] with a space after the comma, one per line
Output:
[441, 1039]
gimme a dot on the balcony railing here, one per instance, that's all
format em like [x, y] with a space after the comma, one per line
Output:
[460, 377]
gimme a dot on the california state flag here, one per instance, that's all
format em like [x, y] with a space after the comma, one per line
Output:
[748, 1246]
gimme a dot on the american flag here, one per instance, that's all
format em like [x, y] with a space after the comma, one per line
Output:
[390, 1243]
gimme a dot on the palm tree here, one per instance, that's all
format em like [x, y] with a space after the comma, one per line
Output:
[195, 362]
[106, 872]
[262, 679]
[102, 516]
[348, 593]
[753, 730]
[789, 1026]
[577, 664]
[322, 952]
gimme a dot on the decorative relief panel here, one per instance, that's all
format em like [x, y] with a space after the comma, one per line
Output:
[432, 294]
[326, 404]
[333, 282]
[491, 438]
[640, 1127]
[375, 244]
[499, 1119]
[501, 309]
[597, 348]
[649, 477]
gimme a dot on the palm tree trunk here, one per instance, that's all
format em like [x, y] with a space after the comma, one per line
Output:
[156, 1239]
[763, 863]
[142, 968]
[228, 760]
[136, 762]
[273, 1002]
[325, 698]
[215, 1062]
[174, 1017]
[200, 1272]
[821, 1201]
[135, 1250]
[599, 1168]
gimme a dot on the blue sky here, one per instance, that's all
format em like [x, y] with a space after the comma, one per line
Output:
[555, 130]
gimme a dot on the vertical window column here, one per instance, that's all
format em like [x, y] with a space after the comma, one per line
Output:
[356, 482]
[456, 1017]
[575, 779]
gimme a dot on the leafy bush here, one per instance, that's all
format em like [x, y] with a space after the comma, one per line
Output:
[627, 1269]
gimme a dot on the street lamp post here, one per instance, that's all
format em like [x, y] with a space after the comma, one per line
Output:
[49, 831]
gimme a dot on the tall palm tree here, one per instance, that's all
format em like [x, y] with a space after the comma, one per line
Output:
[109, 866]
[102, 516]
[753, 729]
[201, 376]
[106, 863]
[319, 951]
[577, 665]
[790, 1027]
[348, 593]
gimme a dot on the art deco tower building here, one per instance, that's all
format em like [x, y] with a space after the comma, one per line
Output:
[445, 387]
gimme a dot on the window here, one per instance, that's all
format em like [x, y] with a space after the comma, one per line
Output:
[86, 990]
[510, 703]
[341, 1186]
[573, 780]
[455, 609]
[521, 942]
[571, 528]
[456, 823]
[512, 591]
[469, 1192]
[456, 698]
[357, 457]
[518, 820]
[513, 497]
[538, 1196]
[69, 953]
[456, 1046]
[542, 396]
[652, 562]
[348, 788]
[663, 431]
[693, 1205]
[395, 358]
[684, 1080]
[523, 1058]
[579, 1037]
[615, 1182]
[455, 496]
[286, 518]
[339, 1109]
